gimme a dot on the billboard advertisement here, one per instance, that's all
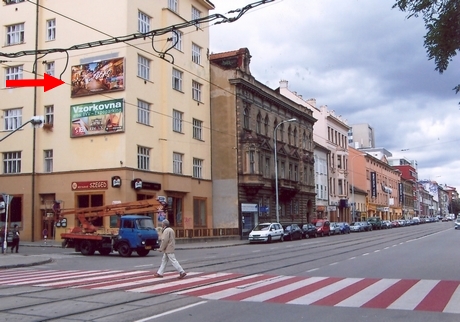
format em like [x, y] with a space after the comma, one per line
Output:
[99, 77]
[94, 118]
[373, 184]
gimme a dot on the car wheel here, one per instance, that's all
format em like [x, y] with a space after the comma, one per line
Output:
[308, 236]
[269, 239]
[282, 239]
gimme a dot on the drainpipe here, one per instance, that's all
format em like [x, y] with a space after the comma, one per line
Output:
[34, 135]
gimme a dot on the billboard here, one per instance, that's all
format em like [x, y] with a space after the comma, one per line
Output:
[94, 118]
[99, 77]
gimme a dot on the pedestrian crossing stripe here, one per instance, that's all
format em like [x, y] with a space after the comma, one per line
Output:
[381, 293]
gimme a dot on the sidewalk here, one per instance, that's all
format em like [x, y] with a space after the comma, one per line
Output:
[14, 260]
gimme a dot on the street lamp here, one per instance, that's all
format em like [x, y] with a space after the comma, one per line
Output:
[276, 166]
[353, 185]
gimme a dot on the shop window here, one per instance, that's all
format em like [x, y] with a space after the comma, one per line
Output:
[91, 200]
[14, 212]
[199, 212]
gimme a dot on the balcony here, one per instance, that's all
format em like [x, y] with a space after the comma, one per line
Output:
[251, 183]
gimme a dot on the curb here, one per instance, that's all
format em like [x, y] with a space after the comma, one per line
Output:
[49, 260]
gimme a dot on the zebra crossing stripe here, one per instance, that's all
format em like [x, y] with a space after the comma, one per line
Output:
[452, 306]
[412, 297]
[438, 296]
[388, 296]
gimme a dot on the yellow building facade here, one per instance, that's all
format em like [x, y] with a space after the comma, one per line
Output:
[132, 120]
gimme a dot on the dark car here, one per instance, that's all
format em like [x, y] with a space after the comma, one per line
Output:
[292, 232]
[367, 226]
[344, 227]
[309, 230]
[375, 222]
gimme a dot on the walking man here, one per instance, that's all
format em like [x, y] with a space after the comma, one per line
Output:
[15, 239]
[168, 244]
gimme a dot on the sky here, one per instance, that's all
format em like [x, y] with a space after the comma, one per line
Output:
[364, 60]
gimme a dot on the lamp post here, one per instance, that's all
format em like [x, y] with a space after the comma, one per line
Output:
[276, 166]
[353, 185]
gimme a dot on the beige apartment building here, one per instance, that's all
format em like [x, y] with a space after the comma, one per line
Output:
[132, 120]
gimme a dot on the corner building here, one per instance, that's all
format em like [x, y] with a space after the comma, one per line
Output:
[245, 114]
[132, 120]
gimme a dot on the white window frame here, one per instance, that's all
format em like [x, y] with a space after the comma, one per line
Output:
[51, 29]
[177, 121]
[197, 168]
[177, 162]
[12, 119]
[196, 91]
[12, 162]
[50, 67]
[143, 67]
[177, 35]
[15, 34]
[177, 79]
[196, 54]
[13, 72]
[143, 158]
[143, 22]
[48, 161]
[173, 5]
[197, 129]
[143, 112]
[196, 14]
[49, 114]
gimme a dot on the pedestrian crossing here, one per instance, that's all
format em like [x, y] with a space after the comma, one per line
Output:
[384, 293]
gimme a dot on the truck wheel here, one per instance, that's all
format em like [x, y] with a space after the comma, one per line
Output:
[105, 251]
[124, 250]
[142, 252]
[87, 248]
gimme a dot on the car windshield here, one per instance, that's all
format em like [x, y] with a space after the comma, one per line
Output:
[319, 224]
[261, 227]
[145, 223]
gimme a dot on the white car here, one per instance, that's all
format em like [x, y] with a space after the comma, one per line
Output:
[267, 232]
[457, 223]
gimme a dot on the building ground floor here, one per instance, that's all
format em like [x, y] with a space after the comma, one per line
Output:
[189, 201]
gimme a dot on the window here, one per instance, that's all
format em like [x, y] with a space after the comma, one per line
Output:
[252, 162]
[49, 114]
[196, 54]
[246, 118]
[13, 119]
[177, 39]
[12, 162]
[197, 129]
[199, 212]
[143, 158]
[196, 91]
[197, 168]
[143, 112]
[13, 72]
[267, 171]
[143, 22]
[290, 171]
[143, 67]
[177, 79]
[173, 5]
[259, 124]
[177, 163]
[296, 173]
[15, 34]
[49, 66]
[48, 158]
[13, 1]
[177, 121]
[283, 170]
[51, 29]
[196, 14]
[266, 125]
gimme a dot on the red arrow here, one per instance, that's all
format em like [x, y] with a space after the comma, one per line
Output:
[49, 82]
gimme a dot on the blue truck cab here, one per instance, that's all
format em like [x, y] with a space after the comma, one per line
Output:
[136, 233]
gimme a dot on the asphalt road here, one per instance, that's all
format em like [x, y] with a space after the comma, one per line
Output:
[402, 274]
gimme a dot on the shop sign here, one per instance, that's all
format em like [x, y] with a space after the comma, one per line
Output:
[138, 184]
[89, 185]
[249, 207]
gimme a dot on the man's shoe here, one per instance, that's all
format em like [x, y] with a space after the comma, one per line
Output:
[182, 275]
[157, 275]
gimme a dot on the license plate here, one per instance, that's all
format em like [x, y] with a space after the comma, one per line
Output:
[148, 247]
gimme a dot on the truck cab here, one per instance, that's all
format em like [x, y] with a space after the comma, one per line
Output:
[136, 233]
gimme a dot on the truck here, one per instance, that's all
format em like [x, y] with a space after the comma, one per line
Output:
[136, 231]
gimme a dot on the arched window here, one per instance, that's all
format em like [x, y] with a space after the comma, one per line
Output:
[246, 118]
[304, 140]
[259, 124]
[295, 137]
[289, 134]
[266, 125]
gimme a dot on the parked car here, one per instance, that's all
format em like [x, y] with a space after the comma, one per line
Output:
[267, 232]
[292, 232]
[323, 227]
[386, 224]
[375, 222]
[367, 226]
[309, 230]
[335, 228]
[356, 227]
[344, 227]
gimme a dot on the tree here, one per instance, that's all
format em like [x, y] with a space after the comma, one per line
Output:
[442, 21]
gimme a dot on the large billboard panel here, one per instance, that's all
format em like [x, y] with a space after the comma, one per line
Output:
[94, 118]
[99, 77]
